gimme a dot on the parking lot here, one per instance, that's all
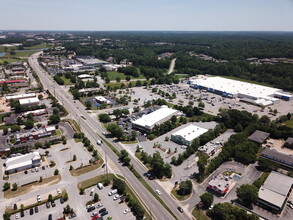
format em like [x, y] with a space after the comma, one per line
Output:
[43, 212]
[115, 208]
[163, 146]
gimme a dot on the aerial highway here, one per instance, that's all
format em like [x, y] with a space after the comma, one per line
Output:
[92, 127]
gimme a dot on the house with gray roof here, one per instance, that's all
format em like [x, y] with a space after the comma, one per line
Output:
[259, 137]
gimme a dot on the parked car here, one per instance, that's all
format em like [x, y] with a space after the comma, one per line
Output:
[104, 213]
[61, 200]
[48, 205]
[31, 211]
[53, 203]
[126, 211]
[36, 209]
[102, 210]
[22, 214]
[15, 207]
[58, 191]
[99, 205]
[50, 217]
[158, 192]
[72, 216]
[17, 216]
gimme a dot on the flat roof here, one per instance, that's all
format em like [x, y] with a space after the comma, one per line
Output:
[151, 119]
[277, 156]
[20, 96]
[28, 100]
[237, 87]
[190, 132]
[276, 188]
[23, 160]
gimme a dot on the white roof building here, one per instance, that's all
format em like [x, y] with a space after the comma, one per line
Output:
[84, 76]
[147, 122]
[23, 162]
[102, 99]
[239, 89]
[188, 134]
[20, 96]
[29, 101]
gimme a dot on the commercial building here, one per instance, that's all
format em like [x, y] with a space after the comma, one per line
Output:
[29, 101]
[102, 100]
[90, 61]
[275, 191]
[210, 148]
[35, 112]
[283, 159]
[220, 184]
[20, 96]
[186, 135]
[23, 162]
[289, 143]
[259, 137]
[34, 134]
[256, 94]
[148, 122]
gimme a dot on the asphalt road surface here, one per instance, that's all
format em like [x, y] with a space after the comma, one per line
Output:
[91, 126]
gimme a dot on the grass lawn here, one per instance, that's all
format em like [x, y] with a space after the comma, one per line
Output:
[66, 81]
[58, 132]
[199, 214]
[27, 188]
[113, 75]
[86, 169]
[129, 142]
[21, 54]
[179, 197]
[95, 180]
[259, 182]
[181, 76]
[10, 60]
[289, 123]
[39, 46]
[77, 140]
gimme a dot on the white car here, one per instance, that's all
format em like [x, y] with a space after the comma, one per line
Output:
[94, 213]
[158, 192]
[116, 197]
[39, 198]
[17, 216]
[211, 207]
[126, 211]
[59, 191]
[99, 205]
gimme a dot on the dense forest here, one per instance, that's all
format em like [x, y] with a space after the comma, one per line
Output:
[142, 49]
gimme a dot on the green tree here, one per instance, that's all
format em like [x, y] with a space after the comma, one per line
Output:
[119, 185]
[14, 186]
[107, 80]
[54, 119]
[207, 199]
[104, 118]
[50, 198]
[14, 128]
[247, 194]
[118, 79]
[6, 186]
[88, 104]
[56, 172]
[128, 78]
[96, 197]
[201, 104]
[185, 188]
[5, 131]
[29, 124]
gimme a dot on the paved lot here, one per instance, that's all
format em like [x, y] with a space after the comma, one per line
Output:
[115, 208]
[62, 157]
[44, 212]
[148, 146]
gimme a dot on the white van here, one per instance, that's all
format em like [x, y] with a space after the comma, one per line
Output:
[100, 186]
[113, 192]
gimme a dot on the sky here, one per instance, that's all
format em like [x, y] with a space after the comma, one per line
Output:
[147, 15]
